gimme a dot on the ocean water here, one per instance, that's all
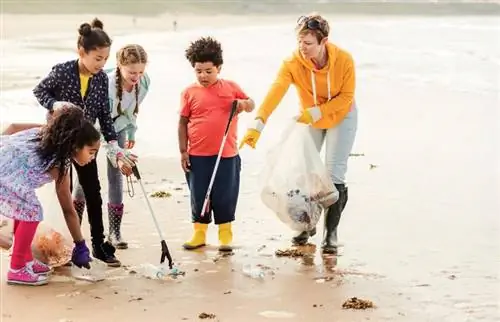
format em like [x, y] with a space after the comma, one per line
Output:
[455, 54]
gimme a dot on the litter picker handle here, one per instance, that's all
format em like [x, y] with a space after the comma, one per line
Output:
[136, 173]
[231, 115]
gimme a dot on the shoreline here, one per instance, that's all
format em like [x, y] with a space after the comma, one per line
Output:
[449, 8]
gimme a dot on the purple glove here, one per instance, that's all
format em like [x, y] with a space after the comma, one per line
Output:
[81, 255]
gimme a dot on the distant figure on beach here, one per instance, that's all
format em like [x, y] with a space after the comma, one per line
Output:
[83, 82]
[324, 76]
[32, 155]
[205, 110]
[174, 24]
[128, 86]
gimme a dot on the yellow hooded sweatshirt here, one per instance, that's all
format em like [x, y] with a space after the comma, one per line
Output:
[333, 87]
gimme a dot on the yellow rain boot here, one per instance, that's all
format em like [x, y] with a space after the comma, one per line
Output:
[199, 237]
[225, 237]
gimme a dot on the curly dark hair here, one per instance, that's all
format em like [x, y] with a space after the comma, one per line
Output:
[62, 136]
[205, 49]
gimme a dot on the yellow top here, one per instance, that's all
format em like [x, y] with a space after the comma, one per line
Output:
[301, 72]
[84, 84]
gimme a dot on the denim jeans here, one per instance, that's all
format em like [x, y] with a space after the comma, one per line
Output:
[338, 141]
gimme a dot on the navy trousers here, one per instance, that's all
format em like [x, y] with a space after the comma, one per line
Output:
[225, 191]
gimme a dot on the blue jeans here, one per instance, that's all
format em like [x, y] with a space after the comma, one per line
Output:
[338, 141]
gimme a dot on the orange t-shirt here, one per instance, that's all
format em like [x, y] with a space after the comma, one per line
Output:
[208, 109]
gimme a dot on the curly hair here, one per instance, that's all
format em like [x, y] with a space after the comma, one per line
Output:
[128, 55]
[205, 49]
[62, 136]
[92, 36]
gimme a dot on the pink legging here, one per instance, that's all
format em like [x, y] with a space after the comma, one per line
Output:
[24, 232]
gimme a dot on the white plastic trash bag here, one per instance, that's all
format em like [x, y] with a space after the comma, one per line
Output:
[296, 184]
[6, 232]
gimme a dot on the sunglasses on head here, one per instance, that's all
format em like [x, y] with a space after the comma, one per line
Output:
[310, 23]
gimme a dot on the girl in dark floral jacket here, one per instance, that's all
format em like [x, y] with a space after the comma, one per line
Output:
[83, 82]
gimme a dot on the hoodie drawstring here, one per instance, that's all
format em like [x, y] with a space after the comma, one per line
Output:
[313, 82]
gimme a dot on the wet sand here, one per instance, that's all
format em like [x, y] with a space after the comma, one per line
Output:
[296, 289]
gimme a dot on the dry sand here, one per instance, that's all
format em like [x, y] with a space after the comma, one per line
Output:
[295, 289]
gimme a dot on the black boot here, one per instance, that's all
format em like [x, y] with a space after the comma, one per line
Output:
[106, 253]
[332, 219]
[302, 238]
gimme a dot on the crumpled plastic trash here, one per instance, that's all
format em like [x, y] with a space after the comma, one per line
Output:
[159, 272]
[96, 273]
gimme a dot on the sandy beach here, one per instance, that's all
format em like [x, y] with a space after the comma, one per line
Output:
[421, 230]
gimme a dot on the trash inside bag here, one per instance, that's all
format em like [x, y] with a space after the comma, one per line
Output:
[6, 232]
[295, 183]
[51, 247]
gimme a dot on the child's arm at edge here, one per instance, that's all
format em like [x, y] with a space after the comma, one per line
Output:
[66, 201]
[18, 127]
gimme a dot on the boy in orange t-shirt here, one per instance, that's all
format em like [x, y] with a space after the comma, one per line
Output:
[205, 109]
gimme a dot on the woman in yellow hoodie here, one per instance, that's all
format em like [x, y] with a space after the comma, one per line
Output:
[324, 76]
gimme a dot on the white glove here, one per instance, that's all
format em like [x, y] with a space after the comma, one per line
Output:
[115, 153]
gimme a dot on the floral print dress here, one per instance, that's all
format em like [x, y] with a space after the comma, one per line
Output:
[21, 173]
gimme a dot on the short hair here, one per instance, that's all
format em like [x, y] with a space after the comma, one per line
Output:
[205, 49]
[313, 24]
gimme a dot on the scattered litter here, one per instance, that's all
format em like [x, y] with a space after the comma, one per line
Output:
[316, 305]
[96, 273]
[222, 255]
[321, 280]
[204, 315]
[227, 292]
[277, 314]
[357, 304]
[70, 294]
[290, 252]
[160, 272]
[261, 248]
[136, 299]
[356, 154]
[452, 277]
[161, 194]
[373, 166]
[255, 272]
